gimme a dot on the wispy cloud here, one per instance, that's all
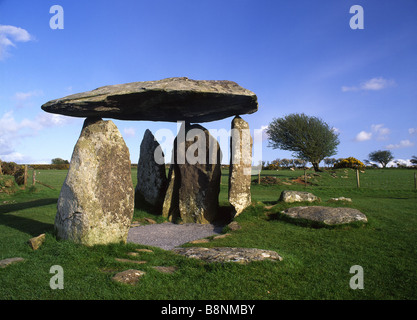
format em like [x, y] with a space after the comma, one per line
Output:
[13, 131]
[402, 144]
[412, 130]
[22, 99]
[374, 84]
[9, 35]
[129, 132]
[378, 131]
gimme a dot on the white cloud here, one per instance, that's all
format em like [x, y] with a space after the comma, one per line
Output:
[374, 84]
[380, 131]
[9, 35]
[336, 130]
[22, 98]
[402, 144]
[363, 136]
[12, 131]
[129, 132]
[412, 130]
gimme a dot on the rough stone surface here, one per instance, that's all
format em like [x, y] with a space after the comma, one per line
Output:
[152, 180]
[130, 276]
[5, 262]
[172, 99]
[227, 254]
[297, 196]
[36, 242]
[326, 215]
[194, 178]
[96, 202]
[240, 166]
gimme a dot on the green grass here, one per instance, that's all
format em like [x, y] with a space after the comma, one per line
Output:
[316, 261]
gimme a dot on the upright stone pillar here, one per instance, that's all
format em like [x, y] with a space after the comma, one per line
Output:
[240, 166]
[152, 180]
[194, 179]
[96, 202]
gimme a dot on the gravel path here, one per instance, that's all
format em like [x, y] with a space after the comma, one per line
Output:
[170, 235]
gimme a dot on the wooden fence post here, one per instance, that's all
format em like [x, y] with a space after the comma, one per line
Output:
[259, 177]
[305, 178]
[25, 177]
[34, 177]
[357, 179]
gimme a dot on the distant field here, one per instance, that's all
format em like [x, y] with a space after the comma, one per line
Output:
[316, 262]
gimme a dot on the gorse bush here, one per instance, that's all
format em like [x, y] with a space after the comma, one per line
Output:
[350, 162]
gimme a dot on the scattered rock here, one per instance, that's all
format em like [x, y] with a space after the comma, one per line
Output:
[240, 166]
[172, 99]
[133, 254]
[297, 196]
[205, 240]
[144, 250]
[326, 215]
[233, 226]
[222, 236]
[150, 221]
[36, 242]
[340, 199]
[152, 180]
[168, 270]
[130, 261]
[227, 254]
[130, 276]
[96, 202]
[5, 262]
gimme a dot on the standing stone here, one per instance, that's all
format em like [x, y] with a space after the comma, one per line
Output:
[151, 175]
[240, 166]
[194, 180]
[96, 202]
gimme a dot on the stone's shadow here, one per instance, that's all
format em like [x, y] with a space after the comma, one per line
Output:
[26, 225]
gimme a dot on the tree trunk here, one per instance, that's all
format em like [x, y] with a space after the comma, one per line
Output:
[316, 166]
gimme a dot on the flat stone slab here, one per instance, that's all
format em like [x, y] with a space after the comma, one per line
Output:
[171, 99]
[5, 262]
[130, 276]
[326, 215]
[228, 254]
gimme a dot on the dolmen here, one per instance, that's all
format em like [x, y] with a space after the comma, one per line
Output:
[97, 199]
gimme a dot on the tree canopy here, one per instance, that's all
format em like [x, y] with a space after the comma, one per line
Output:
[381, 156]
[310, 138]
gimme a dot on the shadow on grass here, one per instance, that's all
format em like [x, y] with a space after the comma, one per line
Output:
[30, 226]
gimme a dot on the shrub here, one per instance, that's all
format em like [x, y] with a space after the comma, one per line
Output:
[350, 162]
[274, 165]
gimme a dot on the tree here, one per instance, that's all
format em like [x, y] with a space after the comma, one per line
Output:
[413, 160]
[381, 156]
[59, 161]
[309, 138]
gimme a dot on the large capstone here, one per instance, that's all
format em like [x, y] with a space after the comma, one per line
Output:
[152, 180]
[194, 179]
[96, 202]
[240, 166]
[172, 99]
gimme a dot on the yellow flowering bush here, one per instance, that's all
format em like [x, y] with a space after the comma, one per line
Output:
[350, 162]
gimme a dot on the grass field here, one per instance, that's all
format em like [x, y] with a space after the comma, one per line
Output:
[316, 261]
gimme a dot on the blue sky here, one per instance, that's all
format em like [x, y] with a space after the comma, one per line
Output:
[297, 56]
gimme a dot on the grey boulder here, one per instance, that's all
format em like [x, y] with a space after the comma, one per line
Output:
[326, 215]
